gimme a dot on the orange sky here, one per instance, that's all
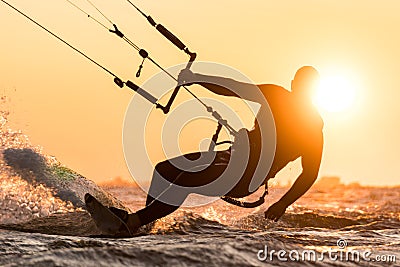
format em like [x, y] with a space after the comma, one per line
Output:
[73, 109]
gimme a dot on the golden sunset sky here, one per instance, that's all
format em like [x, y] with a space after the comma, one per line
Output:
[74, 111]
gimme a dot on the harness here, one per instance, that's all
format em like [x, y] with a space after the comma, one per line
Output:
[221, 122]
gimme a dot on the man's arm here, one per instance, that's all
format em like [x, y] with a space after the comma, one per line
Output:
[223, 86]
[311, 162]
[220, 85]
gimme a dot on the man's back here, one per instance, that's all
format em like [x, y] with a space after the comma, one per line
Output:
[298, 126]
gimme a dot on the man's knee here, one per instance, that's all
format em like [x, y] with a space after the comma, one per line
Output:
[166, 170]
[162, 167]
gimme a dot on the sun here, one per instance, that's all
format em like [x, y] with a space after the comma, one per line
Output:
[335, 93]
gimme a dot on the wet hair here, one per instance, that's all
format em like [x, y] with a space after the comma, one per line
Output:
[305, 80]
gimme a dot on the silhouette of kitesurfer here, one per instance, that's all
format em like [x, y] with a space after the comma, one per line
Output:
[298, 134]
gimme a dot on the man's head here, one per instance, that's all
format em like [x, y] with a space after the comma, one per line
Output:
[305, 82]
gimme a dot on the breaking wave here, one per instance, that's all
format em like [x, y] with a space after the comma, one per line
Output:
[34, 185]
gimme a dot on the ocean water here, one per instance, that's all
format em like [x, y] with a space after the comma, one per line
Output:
[43, 222]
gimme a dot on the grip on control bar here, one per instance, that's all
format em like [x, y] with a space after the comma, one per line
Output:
[170, 36]
[142, 92]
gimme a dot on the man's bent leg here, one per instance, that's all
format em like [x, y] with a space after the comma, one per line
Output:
[170, 186]
[156, 209]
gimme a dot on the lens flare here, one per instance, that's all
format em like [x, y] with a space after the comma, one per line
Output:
[335, 94]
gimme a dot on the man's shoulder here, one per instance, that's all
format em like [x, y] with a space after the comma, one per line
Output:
[273, 88]
[274, 92]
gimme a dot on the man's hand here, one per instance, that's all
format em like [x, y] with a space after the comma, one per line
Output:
[275, 211]
[186, 77]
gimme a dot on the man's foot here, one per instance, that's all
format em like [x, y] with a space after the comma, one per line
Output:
[122, 214]
[106, 220]
[131, 220]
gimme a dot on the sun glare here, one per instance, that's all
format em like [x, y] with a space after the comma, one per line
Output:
[335, 94]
